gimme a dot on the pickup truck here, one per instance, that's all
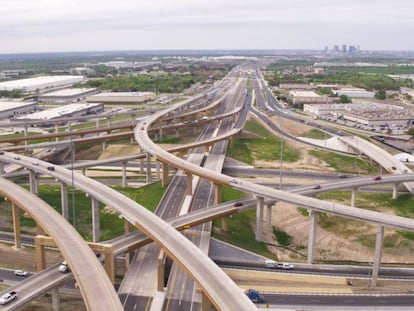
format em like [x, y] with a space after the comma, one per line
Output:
[6, 298]
[254, 296]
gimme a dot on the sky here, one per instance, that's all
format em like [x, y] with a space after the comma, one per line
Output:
[98, 25]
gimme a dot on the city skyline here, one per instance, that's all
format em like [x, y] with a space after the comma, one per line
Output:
[49, 26]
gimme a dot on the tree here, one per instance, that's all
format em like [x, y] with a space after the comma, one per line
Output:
[343, 99]
[380, 94]
[411, 132]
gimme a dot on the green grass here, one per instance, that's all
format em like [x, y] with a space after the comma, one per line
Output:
[282, 237]
[267, 148]
[316, 134]
[344, 164]
[240, 231]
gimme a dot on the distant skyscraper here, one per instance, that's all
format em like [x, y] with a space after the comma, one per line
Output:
[336, 48]
[343, 50]
[326, 49]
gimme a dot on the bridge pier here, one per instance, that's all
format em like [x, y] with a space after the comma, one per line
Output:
[64, 200]
[40, 255]
[124, 177]
[16, 226]
[259, 218]
[157, 166]
[313, 216]
[353, 196]
[55, 299]
[161, 271]
[96, 230]
[395, 191]
[189, 184]
[56, 131]
[160, 131]
[377, 255]
[164, 179]
[269, 225]
[217, 194]
[33, 182]
[109, 262]
[1, 168]
[148, 165]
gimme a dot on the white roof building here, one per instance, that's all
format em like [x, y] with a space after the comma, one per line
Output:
[40, 83]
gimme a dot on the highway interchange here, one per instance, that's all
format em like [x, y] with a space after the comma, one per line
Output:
[121, 204]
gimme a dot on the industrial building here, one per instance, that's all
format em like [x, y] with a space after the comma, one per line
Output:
[66, 96]
[40, 83]
[308, 97]
[121, 97]
[354, 92]
[11, 109]
[71, 110]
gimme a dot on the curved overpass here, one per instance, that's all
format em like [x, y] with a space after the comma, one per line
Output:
[216, 285]
[96, 288]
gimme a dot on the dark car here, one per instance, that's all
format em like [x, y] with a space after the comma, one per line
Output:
[51, 168]
[237, 204]
[316, 187]
[377, 178]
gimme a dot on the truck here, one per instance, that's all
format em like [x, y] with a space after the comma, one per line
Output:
[254, 296]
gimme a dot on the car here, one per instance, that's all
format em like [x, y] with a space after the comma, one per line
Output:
[233, 181]
[6, 298]
[393, 168]
[63, 267]
[237, 204]
[286, 266]
[1, 152]
[20, 272]
[51, 168]
[270, 264]
[35, 163]
[17, 158]
[254, 296]
[316, 187]
[343, 176]
[377, 178]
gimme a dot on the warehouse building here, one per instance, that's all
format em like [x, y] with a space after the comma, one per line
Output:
[308, 97]
[67, 96]
[40, 83]
[11, 109]
[121, 97]
[71, 110]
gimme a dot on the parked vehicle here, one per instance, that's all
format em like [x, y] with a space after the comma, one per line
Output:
[6, 298]
[254, 296]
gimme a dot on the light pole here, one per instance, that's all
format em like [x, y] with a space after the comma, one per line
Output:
[281, 149]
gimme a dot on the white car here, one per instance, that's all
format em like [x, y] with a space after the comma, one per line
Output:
[286, 266]
[20, 273]
[6, 298]
[64, 267]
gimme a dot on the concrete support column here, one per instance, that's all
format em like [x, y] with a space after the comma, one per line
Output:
[225, 223]
[84, 171]
[127, 226]
[141, 166]
[377, 255]
[40, 254]
[157, 165]
[205, 303]
[189, 184]
[97, 123]
[160, 271]
[353, 196]
[160, 131]
[103, 146]
[64, 200]
[25, 135]
[109, 262]
[1, 167]
[56, 131]
[269, 219]
[313, 217]
[16, 226]
[124, 183]
[96, 230]
[164, 179]
[395, 191]
[148, 165]
[259, 217]
[55, 299]
[33, 182]
[217, 194]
